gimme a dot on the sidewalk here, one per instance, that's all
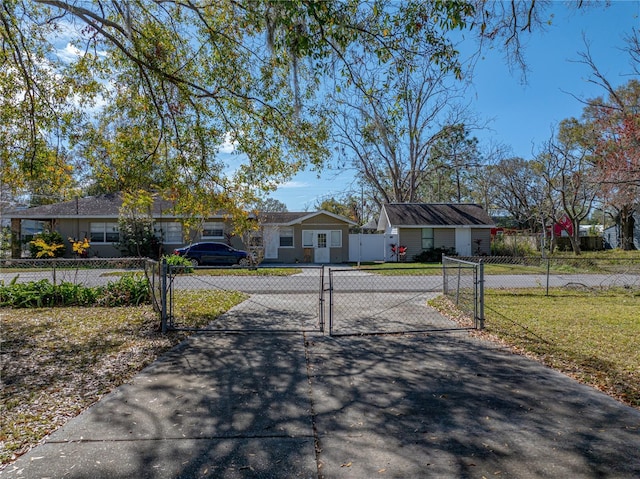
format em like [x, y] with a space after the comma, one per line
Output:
[312, 406]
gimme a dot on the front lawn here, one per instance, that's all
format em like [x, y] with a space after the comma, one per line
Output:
[593, 337]
[58, 361]
[435, 269]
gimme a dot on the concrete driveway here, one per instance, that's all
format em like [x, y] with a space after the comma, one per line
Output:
[306, 405]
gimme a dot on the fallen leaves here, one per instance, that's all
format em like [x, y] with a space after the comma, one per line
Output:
[55, 362]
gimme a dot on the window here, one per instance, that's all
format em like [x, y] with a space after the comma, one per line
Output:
[104, 232]
[286, 237]
[169, 232]
[322, 240]
[213, 230]
[427, 238]
[307, 239]
[336, 239]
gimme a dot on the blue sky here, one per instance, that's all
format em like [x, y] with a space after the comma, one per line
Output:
[521, 115]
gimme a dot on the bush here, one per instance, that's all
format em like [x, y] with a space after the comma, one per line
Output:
[179, 264]
[40, 294]
[128, 291]
[131, 289]
[433, 255]
[512, 246]
[138, 238]
[47, 244]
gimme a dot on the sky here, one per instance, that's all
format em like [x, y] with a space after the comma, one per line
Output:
[521, 115]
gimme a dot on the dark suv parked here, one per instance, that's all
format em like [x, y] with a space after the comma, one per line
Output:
[213, 253]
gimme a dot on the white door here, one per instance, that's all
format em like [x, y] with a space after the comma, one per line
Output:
[463, 241]
[271, 241]
[321, 251]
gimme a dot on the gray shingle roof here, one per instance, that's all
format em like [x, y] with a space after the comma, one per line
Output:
[100, 206]
[437, 214]
[108, 206]
[294, 217]
[279, 217]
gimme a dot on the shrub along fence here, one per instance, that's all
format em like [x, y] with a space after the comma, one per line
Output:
[77, 282]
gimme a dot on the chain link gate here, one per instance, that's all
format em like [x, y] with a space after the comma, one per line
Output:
[235, 299]
[463, 284]
[385, 301]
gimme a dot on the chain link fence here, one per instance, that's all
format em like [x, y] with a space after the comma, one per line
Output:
[82, 271]
[463, 284]
[385, 301]
[237, 299]
[599, 275]
[89, 272]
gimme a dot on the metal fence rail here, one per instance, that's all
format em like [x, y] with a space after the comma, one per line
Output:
[264, 299]
[84, 271]
[463, 284]
[598, 275]
[380, 302]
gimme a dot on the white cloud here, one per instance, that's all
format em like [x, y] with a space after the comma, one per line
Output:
[228, 146]
[69, 53]
[294, 184]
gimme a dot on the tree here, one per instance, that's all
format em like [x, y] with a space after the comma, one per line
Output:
[454, 154]
[33, 119]
[163, 85]
[483, 178]
[519, 190]
[136, 227]
[611, 128]
[348, 206]
[570, 182]
[271, 205]
[389, 131]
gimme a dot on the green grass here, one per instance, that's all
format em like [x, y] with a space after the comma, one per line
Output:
[594, 338]
[435, 269]
[58, 361]
[197, 308]
[402, 269]
[231, 272]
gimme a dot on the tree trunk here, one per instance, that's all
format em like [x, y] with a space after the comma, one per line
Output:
[627, 224]
[575, 238]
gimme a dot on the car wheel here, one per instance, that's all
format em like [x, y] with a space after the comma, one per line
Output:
[243, 261]
[194, 262]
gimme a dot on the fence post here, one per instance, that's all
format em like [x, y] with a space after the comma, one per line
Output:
[321, 300]
[548, 273]
[330, 302]
[163, 294]
[444, 275]
[481, 294]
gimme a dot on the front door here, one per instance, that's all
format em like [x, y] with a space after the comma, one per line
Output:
[270, 241]
[321, 250]
[463, 241]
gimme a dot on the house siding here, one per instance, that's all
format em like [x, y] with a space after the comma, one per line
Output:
[484, 237]
[319, 222]
[72, 219]
[79, 229]
[444, 238]
[412, 239]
